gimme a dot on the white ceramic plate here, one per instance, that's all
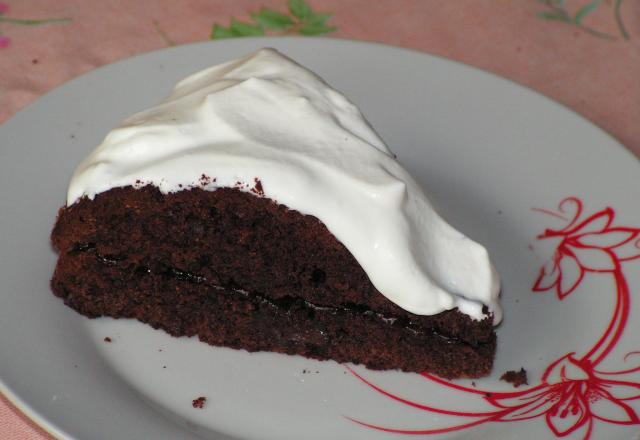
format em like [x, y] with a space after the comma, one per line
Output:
[487, 150]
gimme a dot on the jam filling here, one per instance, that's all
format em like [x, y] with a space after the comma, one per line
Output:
[283, 304]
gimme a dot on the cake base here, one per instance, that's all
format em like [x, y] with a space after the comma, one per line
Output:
[240, 271]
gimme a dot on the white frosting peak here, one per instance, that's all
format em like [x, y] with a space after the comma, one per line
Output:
[264, 116]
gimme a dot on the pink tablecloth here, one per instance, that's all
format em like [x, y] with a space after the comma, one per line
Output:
[585, 58]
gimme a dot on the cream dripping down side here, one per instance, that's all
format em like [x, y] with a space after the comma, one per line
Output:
[264, 116]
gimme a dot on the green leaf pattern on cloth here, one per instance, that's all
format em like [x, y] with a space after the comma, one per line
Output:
[299, 19]
[4, 9]
[557, 10]
[270, 19]
[300, 9]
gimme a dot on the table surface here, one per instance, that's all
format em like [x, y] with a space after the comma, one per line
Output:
[587, 58]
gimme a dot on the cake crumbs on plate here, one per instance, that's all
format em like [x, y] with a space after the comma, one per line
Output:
[516, 378]
[199, 402]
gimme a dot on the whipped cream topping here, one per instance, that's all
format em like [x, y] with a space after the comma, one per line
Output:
[264, 116]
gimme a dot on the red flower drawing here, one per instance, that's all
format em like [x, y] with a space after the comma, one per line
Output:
[571, 396]
[592, 245]
[573, 393]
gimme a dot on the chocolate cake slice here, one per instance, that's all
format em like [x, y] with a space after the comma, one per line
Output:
[242, 271]
[256, 208]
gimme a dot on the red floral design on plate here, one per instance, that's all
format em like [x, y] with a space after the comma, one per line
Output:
[573, 393]
[592, 245]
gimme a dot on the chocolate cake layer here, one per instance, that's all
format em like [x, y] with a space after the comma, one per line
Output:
[242, 271]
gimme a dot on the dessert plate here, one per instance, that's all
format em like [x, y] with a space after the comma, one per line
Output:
[552, 197]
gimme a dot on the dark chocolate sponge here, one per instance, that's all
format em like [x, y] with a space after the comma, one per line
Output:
[241, 271]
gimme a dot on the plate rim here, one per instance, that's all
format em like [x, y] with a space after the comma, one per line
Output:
[51, 428]
[339, 41]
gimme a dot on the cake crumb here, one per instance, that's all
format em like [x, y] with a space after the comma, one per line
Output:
[257, 189]
[516, 378]
[107, 339]
[199, 402]
[205, 180]
[473, 384]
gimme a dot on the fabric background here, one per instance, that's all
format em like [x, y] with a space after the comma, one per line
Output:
[593, 66]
